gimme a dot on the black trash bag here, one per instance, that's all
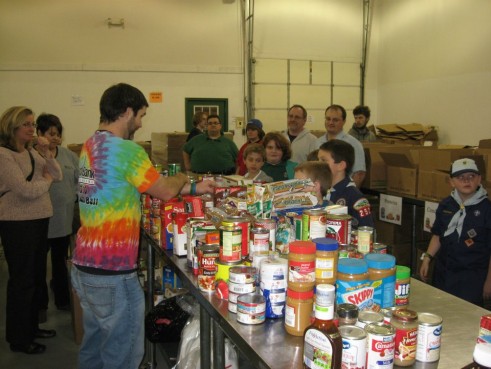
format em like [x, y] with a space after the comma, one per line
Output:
[165, 321]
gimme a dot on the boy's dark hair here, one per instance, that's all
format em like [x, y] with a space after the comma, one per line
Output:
[281, 142]
[362, 110]
[255, 148]
[317, 171]
[337, 107]
[340, 151]
[46, 121]
[312, 156]
[214, 116]
[116, 99]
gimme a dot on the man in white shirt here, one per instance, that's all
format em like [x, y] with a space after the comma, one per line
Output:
[335, 119]
[302, 141]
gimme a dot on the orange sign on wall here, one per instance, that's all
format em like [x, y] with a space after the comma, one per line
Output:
[155, 97]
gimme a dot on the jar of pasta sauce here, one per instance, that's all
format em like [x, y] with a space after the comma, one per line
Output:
[301, 266]
[405, 322]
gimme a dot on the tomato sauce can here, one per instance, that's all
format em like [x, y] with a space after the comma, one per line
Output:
[244, 225]
[380, 346]
[338, 226]
[354, 346]
[230, 244]
[313, 224]
[429, 337]
[207, 267]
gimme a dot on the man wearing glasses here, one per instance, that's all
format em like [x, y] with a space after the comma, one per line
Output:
[212, 152]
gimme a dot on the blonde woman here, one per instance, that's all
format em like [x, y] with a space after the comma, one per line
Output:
[25, 209]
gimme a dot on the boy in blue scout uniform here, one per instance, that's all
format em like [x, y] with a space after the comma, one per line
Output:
[461, 241]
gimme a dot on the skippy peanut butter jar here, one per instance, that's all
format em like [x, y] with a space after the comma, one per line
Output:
[353, 284]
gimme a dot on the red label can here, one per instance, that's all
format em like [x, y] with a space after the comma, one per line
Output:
[339, 228]
[207, 267]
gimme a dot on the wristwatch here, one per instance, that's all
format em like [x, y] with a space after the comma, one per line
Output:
[425, 254]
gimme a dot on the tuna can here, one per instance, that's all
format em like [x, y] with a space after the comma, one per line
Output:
[365, 239]
[339, 228]
[241, 288]
[380, 346]
[379, 248]
[313, 224]
[251, 309]
[244, 225]
[270, 225]
[366, 317]
[429, 337]
[230, 244]
[207, 268]
[354, 346]
[242, 274]
[232, 307]
[258, 240]
[251, 304]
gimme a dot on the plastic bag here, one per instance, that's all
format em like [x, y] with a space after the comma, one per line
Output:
[165, 322]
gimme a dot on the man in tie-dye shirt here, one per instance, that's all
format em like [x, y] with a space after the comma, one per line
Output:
[114, 171]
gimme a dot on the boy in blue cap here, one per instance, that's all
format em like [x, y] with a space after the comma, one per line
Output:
[255, 134]
[461, 241]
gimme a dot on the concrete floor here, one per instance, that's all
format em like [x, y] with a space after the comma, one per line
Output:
[61, 352]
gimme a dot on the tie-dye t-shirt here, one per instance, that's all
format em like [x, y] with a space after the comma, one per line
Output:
[112, 174]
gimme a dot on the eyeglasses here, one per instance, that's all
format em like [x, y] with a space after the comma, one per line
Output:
[466, 177]
[29, 125]
[214, 123]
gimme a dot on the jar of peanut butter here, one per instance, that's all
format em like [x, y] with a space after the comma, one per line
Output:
[298, 310]
[301, 266]
[353, 285]
[382, 275]
[326, 260]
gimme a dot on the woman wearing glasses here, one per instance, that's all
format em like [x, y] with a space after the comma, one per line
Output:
[461, 241]
[25, 209]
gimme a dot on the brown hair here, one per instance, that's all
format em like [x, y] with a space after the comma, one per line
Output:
[317, 171]
[281, 142]
[257, 148]
[10, 121]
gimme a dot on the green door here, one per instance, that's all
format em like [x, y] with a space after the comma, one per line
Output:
[211, 106]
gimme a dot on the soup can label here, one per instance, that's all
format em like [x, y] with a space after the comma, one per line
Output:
[313, 224]
[380, 346]
[339, 228]
[244, 225]
[429, 337]
[230, 244]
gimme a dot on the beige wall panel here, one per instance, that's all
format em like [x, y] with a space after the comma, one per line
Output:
[346, 74]
[300, 71]
[273, 120]
[348, 97]
[270, 71]
[271, 96]
[311, 97]
[321, 72]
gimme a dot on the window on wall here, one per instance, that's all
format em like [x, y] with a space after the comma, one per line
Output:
[279, 83]
[209, 109]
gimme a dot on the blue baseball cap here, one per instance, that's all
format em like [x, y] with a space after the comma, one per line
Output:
[256, 123]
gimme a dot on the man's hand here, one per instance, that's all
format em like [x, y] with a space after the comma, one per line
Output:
[205, 186]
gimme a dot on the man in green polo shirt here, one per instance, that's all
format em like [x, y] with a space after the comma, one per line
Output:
[211, 152]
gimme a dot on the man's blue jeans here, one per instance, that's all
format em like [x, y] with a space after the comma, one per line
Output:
[113, 316]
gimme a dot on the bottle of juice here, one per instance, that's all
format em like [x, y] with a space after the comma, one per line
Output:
[322, 343]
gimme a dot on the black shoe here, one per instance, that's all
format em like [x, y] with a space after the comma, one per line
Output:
[45, 333]
[30, 349]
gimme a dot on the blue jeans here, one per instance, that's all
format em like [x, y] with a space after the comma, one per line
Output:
[113, 319]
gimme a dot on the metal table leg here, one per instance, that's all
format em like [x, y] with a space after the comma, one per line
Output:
[151, 361]
[218, 347]
[205, 338]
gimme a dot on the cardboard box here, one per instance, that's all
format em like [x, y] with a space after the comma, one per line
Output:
[376, 175]
[433, 185]
[441, 159]
[402, 171]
